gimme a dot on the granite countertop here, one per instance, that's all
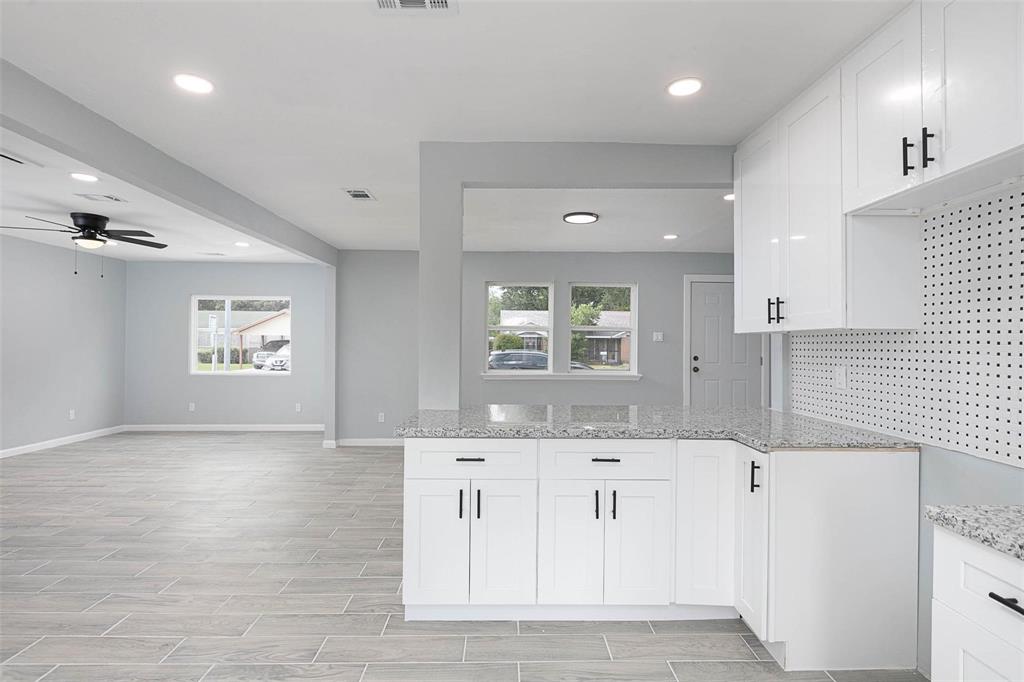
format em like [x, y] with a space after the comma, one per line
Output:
[759, 429]
[998, 527]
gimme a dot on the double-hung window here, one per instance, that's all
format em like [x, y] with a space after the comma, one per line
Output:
[241, 335]
[602, 327]
[518, 327]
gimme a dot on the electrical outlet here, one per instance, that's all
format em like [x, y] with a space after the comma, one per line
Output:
[380, 417]
[839, 376]
[71, 414]
[298, 407]
[191, 407]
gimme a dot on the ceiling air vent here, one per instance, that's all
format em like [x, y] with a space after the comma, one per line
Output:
[360, 195]
[103, 197]
[413, 7]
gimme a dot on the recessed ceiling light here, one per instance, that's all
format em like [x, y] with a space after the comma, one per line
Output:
[84, 177]
[580, 218]
[684, 87]
[195, 84]
[730, 197]
[798, 237]
[671, 236]
[242, 244]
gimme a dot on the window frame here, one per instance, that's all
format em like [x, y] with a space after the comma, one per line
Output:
[632, 329]
[488, 328]
[193, 331]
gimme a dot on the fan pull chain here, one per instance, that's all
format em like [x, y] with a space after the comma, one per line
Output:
[102, 261]
[76, 258]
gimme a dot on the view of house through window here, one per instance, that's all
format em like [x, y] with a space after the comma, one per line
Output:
[601, 327]
[518, 327]
[241, 335]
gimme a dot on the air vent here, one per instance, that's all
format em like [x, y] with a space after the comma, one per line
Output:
[19, 159]
[360, 195]
[413, 7]
[103, 197]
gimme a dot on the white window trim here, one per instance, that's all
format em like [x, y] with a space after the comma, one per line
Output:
[633, 372]
[193, 302]
[550, 329]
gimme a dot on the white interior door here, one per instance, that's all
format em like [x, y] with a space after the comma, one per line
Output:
[724, 368]
[637, 542]
[752, 540]
[436, 542]
[503, 543]
[570, 542]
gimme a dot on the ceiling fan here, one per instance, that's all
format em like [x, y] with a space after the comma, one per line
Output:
[91, 231]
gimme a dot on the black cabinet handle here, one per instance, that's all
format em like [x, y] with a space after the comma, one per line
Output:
[753, 468]
[478, 503]
[924, 147]
[770, 304]
[597, 504]
[778, 309]
[907, 144]
[1011, 603]
[614, 506]
[469, 459]
[460, 502]
[605, 459]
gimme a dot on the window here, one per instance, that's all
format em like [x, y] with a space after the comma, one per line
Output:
[602, 325]
[518, 327]
[241, 335]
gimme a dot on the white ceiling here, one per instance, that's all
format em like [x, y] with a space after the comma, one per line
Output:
[313, 97]
[46, 191]
[630, 220]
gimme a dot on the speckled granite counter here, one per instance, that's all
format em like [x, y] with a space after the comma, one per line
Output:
[762, 430]
[998, 527]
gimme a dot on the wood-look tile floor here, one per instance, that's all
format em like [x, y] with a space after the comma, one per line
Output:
[216, 556]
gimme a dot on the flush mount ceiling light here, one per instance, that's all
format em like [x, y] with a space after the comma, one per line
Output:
[89, 241]
[83, 177]
[580, 218]
[243, 245]
[671, 236]
[730, 197]
[193, 84]
[684, 87]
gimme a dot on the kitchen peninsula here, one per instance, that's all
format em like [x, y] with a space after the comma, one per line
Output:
[580, 512]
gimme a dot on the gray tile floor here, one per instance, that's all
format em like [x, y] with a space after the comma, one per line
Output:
[221, 557]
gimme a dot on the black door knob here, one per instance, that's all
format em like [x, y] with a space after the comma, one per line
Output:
[696, 369]
[695, 358]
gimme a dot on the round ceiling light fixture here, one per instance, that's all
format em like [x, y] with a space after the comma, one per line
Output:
[684, 87]
[671, 236]
[89, 240]
[242, 244]
[84, 177]
[193, 84]
[730, 197]
[580, 218]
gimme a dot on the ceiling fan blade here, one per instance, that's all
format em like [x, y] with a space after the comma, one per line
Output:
[43, 220]
[127, 233]
[152, 245]
[36, 229]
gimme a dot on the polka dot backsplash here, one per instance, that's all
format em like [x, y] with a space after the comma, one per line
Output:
[958, 382]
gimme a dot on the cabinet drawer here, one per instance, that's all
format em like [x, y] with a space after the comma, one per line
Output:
[965, 572]
[470, 458]
[963, 651]
[603, 459]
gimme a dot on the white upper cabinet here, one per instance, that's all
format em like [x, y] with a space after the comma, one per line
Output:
[812, 212]
[973, 81]
[758, 230]
[881, 85]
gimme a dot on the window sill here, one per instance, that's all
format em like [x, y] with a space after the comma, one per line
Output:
[562, 376]
[240, 374]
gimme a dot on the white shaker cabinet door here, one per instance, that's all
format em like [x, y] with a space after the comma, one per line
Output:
[436, 542]
[881, 85]
[752, 540]
[963, 651]
[503, 542]
[570, 542]
[973, 80]
[637, 542]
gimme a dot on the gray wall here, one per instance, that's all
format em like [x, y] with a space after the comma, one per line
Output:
[376, 357]
[159, 384]
[62, 342]
[659, 279]
[949, 477]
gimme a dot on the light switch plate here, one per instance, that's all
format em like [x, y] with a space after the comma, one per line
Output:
[659, 337]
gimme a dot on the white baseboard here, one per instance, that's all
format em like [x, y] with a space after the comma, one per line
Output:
[57, 442]
[556, 612]
[330, 443]
[370, 442]
[224, 427]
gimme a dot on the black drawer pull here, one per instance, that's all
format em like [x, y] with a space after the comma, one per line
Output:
[605, 459]
[597, 504]
[778, 309]
[907, 144]
[1011, 603]
[770, 304]
[469, 459]
[460, 502]
[753, 468]
[478, 503]
[614, 505]
[925, 136]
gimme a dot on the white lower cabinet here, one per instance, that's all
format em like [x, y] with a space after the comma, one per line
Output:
[570, 542]
[638, 542]
[502, 543]
[435, 542]
[963, 651]
[752, 540]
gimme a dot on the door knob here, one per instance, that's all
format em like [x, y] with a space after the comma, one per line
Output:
[695, 358]
[696, 369]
